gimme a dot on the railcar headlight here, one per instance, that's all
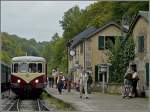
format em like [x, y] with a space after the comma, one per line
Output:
[18, 80]
[36, 81]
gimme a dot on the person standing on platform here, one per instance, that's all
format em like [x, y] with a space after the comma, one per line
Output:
[54, 75]
[89, 82]
[83, 82]
[60, 82]
[135, 79]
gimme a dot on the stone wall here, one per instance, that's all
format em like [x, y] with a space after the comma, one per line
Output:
[116, 88]
[113, 88]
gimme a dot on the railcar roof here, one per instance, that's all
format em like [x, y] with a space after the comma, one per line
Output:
[28, 59]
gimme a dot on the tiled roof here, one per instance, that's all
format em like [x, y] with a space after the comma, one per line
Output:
[82, 35]
[106, 25]
[143, 14]
[89, 32]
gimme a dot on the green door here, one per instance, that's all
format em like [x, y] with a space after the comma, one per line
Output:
[96, 73]
[147, 74]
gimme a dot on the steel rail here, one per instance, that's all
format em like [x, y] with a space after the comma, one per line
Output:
[42, 107]
[12, 105]
[18, 109]
[38, 103]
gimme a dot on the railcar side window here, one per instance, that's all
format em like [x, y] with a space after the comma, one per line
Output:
[40, 67]
[32, 67]
[15, 67]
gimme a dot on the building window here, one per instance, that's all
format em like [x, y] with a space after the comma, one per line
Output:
[141, 44]
[101, 44]
[109, 42]
[106, 42]
[100, 77]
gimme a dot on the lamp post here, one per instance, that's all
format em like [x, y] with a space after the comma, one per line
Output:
[68, 44]
[72, 53]
[149, 57]
[84, 54]
[84, 39]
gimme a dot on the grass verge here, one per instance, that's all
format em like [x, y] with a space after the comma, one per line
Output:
[57, 103]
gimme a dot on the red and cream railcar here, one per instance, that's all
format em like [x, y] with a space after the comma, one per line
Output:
[28, 75]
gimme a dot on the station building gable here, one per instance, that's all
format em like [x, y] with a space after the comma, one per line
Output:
[139, 31]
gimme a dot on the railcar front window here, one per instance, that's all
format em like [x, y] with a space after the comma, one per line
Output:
[23, 68]
[40, 67]
[15, 67]
[32, 68]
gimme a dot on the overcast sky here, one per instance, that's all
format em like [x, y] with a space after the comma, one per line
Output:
[35, 19]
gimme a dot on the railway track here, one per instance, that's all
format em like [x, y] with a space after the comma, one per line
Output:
[42, 106]
[7, 104]
[26, 105]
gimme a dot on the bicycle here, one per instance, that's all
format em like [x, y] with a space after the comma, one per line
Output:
[127, 89]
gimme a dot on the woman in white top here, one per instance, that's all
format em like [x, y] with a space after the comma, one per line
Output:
[83, 82]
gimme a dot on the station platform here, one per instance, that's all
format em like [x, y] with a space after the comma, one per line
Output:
[100, 102]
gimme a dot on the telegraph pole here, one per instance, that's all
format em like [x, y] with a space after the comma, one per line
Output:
[149, 56]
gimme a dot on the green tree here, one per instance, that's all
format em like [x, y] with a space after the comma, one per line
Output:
[12, 46]
[119, 57]
[72, 23]
[4, 57]
[19, 51]
[55, 37]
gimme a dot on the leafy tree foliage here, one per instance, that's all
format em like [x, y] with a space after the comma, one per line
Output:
[72, 22]
[119, 57]
[12, 46]
[55, 37]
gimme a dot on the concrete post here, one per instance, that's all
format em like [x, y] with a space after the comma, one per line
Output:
[103, 84]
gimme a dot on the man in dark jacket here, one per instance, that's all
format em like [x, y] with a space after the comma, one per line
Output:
[89, 82]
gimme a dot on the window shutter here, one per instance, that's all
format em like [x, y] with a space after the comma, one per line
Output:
[96, 73]
[147, 74]
[141, 44]
[101, 43]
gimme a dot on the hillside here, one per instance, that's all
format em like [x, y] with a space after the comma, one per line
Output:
[13, 45]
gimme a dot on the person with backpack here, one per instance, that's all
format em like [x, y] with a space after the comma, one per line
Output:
[60, 82]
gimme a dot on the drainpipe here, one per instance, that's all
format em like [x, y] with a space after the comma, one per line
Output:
[149, 59]
[84, 53]
[68, 47]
